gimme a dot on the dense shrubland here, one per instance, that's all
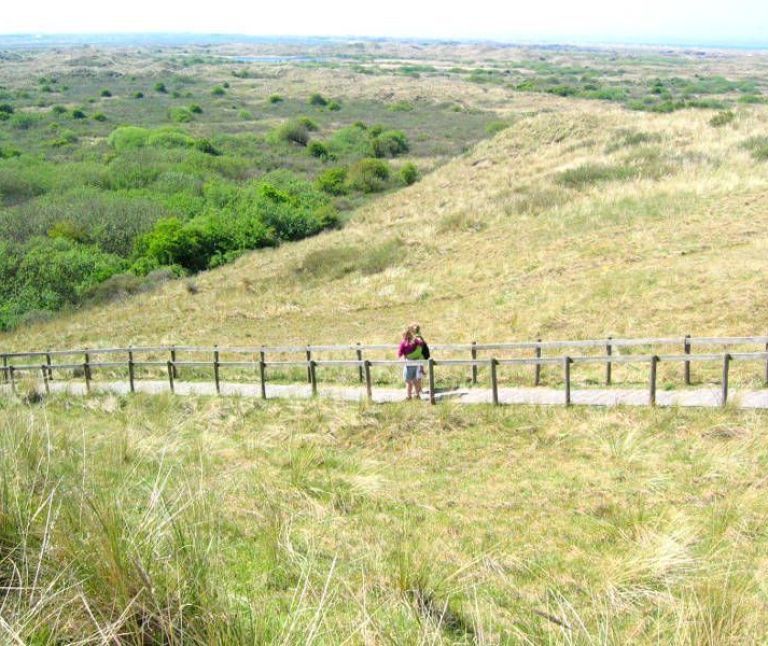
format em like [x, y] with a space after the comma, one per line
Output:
[94, 205]
[110, 181]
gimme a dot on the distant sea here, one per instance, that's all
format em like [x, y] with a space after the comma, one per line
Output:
[31, 41]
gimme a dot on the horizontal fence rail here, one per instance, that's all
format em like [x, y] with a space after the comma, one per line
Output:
[259, 360]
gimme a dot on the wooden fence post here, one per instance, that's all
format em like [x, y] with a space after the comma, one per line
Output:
[173, 362]
[537, 372]
[48, 364]
[87, 371]
[608, 364]
[11, 372]
[766, 366]
[131, 375]
[360, 370]
[687, 364]
[313, 377]
[473, 352]
[309, 365]
[726, 366]
[216, 370]
[5, 369]
[170, 376]
[567, 379]
[431, 368]
[44, 370]
[494, 383]
[263, 374]
[652, 381]
[368, 384]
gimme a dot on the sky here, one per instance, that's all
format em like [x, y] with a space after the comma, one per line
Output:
[720, 22]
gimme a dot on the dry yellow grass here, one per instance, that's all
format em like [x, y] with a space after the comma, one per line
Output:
[494, 248]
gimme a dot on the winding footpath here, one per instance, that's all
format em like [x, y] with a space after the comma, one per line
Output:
[709, 397]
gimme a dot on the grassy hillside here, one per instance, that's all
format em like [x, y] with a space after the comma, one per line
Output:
[578, 220]
[200, 521]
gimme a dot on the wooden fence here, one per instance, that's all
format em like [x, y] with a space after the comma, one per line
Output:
[10, 368]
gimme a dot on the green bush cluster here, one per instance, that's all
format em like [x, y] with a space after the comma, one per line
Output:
[757, 146]
[276, 208]
[722, 118]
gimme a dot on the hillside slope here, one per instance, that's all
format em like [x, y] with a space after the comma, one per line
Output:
[580, 221]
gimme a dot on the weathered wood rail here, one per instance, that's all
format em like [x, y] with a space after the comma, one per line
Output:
[11, 369]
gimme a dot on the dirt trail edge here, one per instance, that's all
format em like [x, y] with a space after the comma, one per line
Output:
[699, 397]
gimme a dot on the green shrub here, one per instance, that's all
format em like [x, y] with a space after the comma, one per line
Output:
[368, 175]
[334, 106]
[389, 143]
[400, 106]
[308, 123]
[173, 242]
[8, 153]
[494, 127]
[105, 93]
[333, 181]
[351, 141]
[160, 87]
[138, 95]
[318, 100]
[77, 113]
[99, 116]
[409, 174]
[6, 108]
[218, 90]
[48, 273]
[58, 110]
[24, 120]
[319, 149]
[722, 118]
[245, 115]
[205, 146]
[195, 109]
[66, 138]
[758, 146]
[128, 138]
[292, 131]
[180, 115]
[275, 98]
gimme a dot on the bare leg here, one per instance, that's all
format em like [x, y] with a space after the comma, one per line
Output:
[409, 389]
[417, 385]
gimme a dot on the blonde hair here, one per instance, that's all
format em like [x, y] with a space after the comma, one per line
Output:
[415, 328]
[408, 334]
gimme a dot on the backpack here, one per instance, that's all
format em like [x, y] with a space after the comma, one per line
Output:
[424, 349]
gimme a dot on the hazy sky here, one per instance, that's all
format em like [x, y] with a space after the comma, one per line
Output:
[673, 21]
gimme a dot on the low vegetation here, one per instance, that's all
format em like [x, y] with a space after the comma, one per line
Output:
[190, 520]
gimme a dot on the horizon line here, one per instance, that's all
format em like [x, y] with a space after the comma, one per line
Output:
[567, 41]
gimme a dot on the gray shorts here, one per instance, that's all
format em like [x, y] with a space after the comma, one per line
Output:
[411, 373]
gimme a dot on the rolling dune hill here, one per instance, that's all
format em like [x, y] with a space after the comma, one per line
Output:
[580, 220]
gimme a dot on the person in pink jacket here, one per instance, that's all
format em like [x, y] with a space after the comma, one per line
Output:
[411, 350]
